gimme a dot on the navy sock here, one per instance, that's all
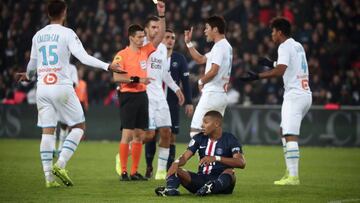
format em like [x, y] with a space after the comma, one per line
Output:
[222, 183]
[171, 155]
[173, 182]
[150, 149]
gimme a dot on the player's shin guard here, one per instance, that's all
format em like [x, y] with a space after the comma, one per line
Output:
[292, 158]
[69, 147]
[171, 156]
[47, 146]
[221, 183]
[173, 182]
[150, 149]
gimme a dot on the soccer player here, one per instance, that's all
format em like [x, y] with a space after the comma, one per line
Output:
[292, 66]
[217, 71]
[159, 113]
[219, 153]
[179, 72]
[133, 100]
[50, 54]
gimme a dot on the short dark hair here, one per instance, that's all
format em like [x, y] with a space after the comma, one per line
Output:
[169, 30]
[55, 8]
[217, 21]
[281, 24]
[151, 18]
[133, 29]
[214, 114]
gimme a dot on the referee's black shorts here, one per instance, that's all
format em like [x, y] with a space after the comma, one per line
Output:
[134, 110]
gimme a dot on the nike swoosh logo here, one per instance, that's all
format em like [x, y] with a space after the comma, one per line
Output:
[202, 147]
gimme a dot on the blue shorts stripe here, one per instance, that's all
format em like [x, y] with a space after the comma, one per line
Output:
[66, 147]
[71, 142]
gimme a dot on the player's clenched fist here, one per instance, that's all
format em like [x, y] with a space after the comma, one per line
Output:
[160, 8]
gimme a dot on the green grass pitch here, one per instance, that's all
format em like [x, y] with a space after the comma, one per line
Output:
[327, 175]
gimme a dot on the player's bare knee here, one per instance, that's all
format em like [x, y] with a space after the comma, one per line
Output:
[79, 125]
[48, 131]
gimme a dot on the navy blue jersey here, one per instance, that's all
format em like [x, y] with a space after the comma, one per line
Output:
[226, 146]
[180, 73]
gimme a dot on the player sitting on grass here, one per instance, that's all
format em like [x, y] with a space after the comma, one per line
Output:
[219, 153]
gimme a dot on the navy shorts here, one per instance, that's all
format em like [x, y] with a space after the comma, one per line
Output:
[198, 180]
[174, 113]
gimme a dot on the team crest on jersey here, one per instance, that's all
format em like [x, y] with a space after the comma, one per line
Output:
[219, 151]
[143, 64]
[191, 143]
[175, 64]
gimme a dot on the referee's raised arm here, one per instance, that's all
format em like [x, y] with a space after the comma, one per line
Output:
[161, 12]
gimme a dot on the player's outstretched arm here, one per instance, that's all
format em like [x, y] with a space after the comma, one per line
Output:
[278, 71]
[161, 12]
[198, 58]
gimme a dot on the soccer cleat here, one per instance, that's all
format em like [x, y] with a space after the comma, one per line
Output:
[206, 189]
[117, 164]
[52, 184]
[124, 177]
[160, 175]
[149, 172]
[291, 180]
[137, 177]
[286, 175]
[163, 191]
[62, 175]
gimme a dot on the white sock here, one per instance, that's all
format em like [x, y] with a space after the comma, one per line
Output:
[283, 140]
[292, 158]
[163, 158]
[47, 146]
[69, 147]
[62, 136]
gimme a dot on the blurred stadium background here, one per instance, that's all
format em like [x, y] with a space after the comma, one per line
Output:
[329, 31]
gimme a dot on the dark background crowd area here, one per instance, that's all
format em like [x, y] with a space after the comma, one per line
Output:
[329, 31]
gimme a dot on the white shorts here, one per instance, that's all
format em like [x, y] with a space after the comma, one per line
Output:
[293, 110]
[209, 101]
[58, 103]
[159, 114]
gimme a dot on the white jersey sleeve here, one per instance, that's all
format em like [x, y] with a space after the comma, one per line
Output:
[283, 56]
[169, 81]
[77, 49]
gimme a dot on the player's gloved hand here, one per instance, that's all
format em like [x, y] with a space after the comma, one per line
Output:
[251, 76]
[114, 67]
[264, 61]
[19, 77]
